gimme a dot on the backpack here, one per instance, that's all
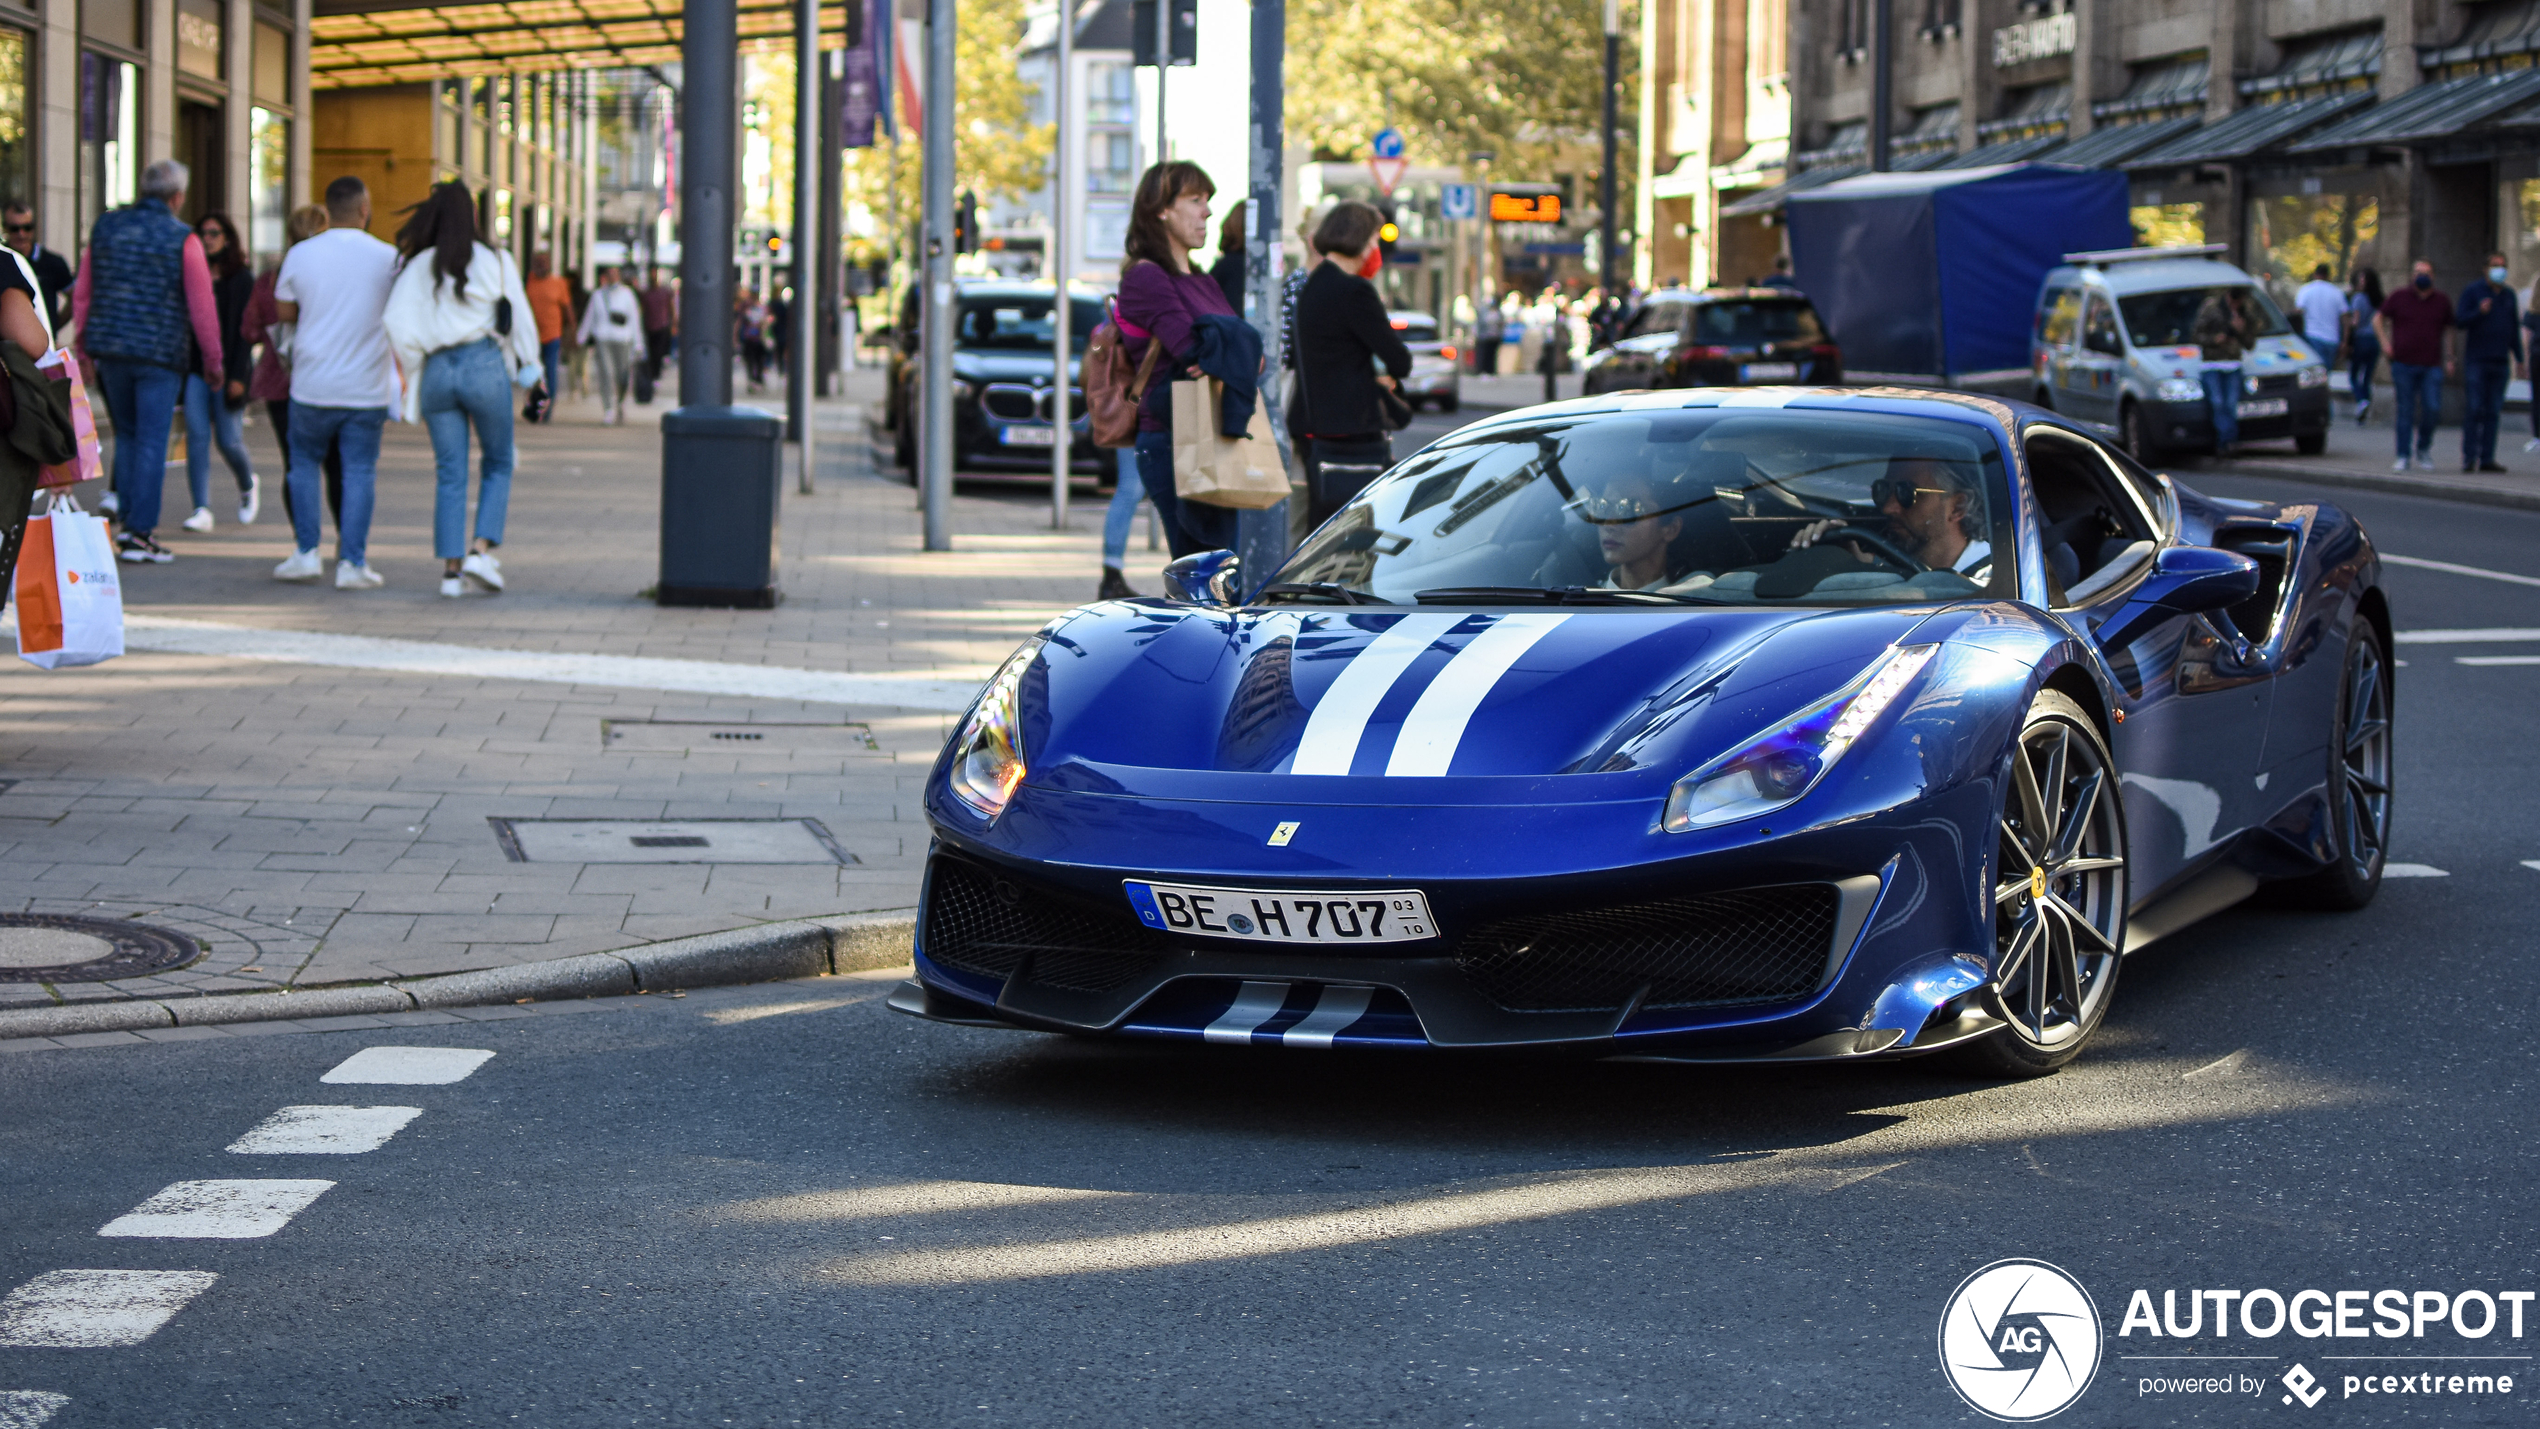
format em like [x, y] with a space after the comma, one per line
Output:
[1112, 388]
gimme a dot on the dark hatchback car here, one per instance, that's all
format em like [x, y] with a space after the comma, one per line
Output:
[1002, 391]
[1717, 337]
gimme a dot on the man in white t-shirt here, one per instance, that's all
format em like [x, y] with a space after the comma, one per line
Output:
[2323, 307]
[335, 288]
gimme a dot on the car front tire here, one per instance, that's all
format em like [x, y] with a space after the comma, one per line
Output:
[2139, 442]
[2359, 783]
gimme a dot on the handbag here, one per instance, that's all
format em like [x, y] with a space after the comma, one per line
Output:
[88, 462]
[1111, 389]
[1342, 469]
[1390, 406]
[70, 605]
[1215, 470]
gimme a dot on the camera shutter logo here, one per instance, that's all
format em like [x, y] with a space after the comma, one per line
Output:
[2020, 1340]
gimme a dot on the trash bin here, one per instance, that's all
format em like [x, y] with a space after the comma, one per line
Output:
[721, 471]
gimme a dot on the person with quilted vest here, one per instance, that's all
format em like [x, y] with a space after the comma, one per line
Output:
[143, 284]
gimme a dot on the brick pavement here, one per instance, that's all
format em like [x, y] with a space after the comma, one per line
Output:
[312, 824]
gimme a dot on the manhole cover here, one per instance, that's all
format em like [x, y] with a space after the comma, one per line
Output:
[44, 947]
[676, 841]
[657, 736]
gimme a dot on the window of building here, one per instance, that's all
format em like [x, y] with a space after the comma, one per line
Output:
[268, 179]
[1933, 127]
[269, 66]
[17, 172]
[2321, 64]
[2167, 225]
[2499, 35]
[1111, 94]
[2160, 89]
[109, 135]
[199, 25]
[1940, 19]
[1852, 29]
[116, 22]
[2292, 234]
[1111, 162]
[2030, 111]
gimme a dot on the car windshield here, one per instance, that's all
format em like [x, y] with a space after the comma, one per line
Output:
[2169, 319]
[1415, 327]
[1745, 323]
[1021, 324]
[1699, 506]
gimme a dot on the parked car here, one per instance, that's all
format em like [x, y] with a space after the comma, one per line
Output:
[1002, 391]
[1436, 378]
[2114, 345]
[1717, 337]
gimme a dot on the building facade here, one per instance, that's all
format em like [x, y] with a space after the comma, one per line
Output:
[524, 143]
[1102, 130]
[1715, 128]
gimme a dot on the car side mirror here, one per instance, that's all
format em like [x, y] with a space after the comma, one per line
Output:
[2185, 580]
[1209, 577]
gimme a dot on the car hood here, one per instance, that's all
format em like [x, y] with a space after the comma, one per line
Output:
[1153, 698]
[984, 365]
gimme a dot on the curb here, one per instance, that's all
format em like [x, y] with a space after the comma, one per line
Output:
[770, 952]
[2435, 488]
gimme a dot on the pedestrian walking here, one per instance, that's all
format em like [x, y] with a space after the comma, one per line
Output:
[215, 409]
[2323, 310]
[52, 270]
[461, 350]
[2491, 355]
[334, 291]
[577, 358]
[2221, 329]
[749, 323]
[2363, 341]
[24, 327]
[1343, 333]
[1552, 358]
[1228, 270]
[661, 321]
[142, 285]
[1162, 299]
[2414, 327]
[262, 327]
[551, 302]
[1488, 327]
[610, 327]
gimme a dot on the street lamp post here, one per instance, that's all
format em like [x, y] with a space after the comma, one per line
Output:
[935, 427]
[809, 156]
[1062, 450]
[1882, 63]
[1605, 189]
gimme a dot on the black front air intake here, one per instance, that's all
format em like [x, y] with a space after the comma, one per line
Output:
[1758, 945]
[988, 925]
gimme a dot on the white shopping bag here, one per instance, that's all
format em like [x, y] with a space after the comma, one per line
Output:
[70, 603]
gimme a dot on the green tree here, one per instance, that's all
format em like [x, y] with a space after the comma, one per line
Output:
[997, 151]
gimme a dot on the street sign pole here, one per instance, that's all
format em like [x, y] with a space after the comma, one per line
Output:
[1261, 537]
[809, 156]
[1062, 447]
[1607, 270]
[935, 431]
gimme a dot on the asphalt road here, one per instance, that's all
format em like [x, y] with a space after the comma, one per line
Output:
[789, 1205]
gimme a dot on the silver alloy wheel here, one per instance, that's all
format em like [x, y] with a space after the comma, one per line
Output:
[2060, 896]
[2367, 759]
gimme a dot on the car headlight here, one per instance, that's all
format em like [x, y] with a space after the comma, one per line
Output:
[988, 753]
[2314, 377]
[2180, 389]
[1778, 767]
[960, 390]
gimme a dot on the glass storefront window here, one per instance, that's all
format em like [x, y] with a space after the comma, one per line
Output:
[2292, 234]
[2522, 248]
[198, 37]
[109, 131]
[16, 172]
[270, 69]
[268, 177]
[2167, 225]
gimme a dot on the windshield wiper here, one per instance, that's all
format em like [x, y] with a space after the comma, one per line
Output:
[1329, 590]
[1554, 595]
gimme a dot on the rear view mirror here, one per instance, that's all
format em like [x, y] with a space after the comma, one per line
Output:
[1207, 577]
[2185, 580]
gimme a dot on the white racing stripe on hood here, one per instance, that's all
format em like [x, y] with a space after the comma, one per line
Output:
[1333, 730]
[1435, 726]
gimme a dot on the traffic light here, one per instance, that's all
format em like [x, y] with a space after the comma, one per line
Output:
[1388, 231]
[775, 243]
[966, 223]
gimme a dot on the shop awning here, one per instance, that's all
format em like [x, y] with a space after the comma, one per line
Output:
[375, 42]
[2430, 111]
[2009, 151]
[2260, 126]
[1770, 200]
[2114, 144]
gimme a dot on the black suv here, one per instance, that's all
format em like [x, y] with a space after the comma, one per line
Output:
[1001, 380]
[1717, 337]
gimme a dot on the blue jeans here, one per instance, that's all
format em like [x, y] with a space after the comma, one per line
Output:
[1189, 527]
[141, 402]
[551, 357]
[2483, 408]
[2222, 399]
[2363, 354]
[2326, 347]
[2419, 391]
[1123, 512]
[463, 384]
[313, 430]
[210, 418]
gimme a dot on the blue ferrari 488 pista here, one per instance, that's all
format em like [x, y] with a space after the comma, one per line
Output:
[1797, 725]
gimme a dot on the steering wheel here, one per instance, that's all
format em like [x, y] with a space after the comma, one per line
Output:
[1878, 545]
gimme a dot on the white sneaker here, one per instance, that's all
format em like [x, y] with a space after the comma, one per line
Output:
[2532, 445]
[201, 520]
[483, 569]
[2400, 465]
[357, 575]
[304, 566]
[107, 505]
[2425, 463]
[250, 501]
[452, 587]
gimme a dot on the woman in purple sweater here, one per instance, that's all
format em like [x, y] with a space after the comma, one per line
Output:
[1161, 297]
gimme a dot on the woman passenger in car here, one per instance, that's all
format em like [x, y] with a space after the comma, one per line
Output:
[1636, 533]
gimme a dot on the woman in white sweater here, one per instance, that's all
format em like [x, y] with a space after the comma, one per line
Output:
[460, 324]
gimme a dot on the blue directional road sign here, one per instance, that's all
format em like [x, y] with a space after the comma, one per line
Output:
[1457, 201]
[1388, 144]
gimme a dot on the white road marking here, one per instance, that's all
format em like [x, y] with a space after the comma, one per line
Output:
[1255, 1004]
[2493, 636]
[2230, 1063]
[325, 1130]
[1332, 732]
[2446, 566]
[96, 1309]
[1333, 1012]
[947, 692]
[2532, 863]
[2413, 870]
[29, 1408]
[1437, 721]
[2496, 660]
[407, 1066]
[217, 1210]
[725, 1017]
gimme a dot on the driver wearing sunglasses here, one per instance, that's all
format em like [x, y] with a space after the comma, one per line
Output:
[1930, 513]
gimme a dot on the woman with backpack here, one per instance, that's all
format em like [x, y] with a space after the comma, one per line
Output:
[461, 326]
[1162, 298]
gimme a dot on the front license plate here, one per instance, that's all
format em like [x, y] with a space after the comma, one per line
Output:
[1030, 437]
[1396, 915]
[2262, 407]
[1768, 372]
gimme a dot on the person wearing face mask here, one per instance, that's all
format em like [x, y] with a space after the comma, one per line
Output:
[1348, 353]
[2413, 327]
[2491, 353]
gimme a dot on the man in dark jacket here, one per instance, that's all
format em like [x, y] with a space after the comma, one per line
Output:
[2491, 355]
[52, 270]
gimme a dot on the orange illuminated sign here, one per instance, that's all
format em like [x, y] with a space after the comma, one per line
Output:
[1525, 208]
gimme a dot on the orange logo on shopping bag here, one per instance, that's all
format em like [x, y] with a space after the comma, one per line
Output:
[39, 604]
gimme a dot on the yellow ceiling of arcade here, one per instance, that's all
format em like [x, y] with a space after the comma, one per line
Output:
[352, 44]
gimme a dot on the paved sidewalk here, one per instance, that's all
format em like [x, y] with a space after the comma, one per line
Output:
[315, 823]
[2360, 457]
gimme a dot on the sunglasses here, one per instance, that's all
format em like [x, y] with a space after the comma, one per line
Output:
[19, 227]
[1903, 493]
